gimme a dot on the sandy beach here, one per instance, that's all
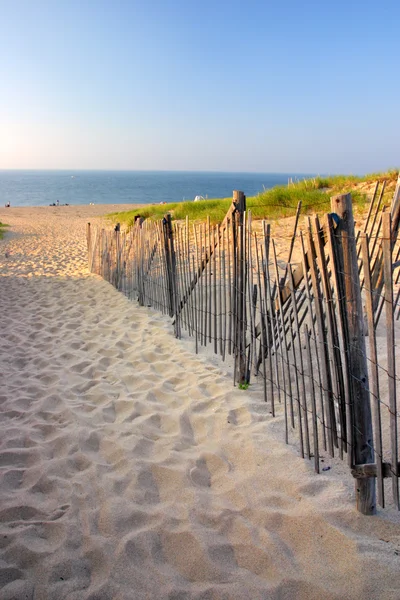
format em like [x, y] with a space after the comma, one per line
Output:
[131, 468]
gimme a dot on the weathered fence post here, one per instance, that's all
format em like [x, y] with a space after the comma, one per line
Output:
[139, 262]
[239, 200]
[117, 274]
[88, 235]
[89, 246]
[360, 406]
[167, 230]
[387, 249]
[170, 260]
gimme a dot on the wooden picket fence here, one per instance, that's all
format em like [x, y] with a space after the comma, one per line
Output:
[308, 327]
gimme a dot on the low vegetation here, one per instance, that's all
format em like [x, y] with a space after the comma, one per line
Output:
[2, 228]
[280, 201]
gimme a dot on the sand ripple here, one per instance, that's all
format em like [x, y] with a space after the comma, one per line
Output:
[132, 469]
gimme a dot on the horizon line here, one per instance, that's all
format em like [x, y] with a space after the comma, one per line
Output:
[80, 170]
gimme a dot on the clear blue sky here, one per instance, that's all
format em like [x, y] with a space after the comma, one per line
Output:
[288, 86]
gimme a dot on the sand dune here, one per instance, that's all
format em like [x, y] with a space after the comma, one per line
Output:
[130, 468]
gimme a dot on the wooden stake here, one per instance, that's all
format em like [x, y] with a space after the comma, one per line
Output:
[388, 281]
[363, 450]
[374, 367]
[313, 403]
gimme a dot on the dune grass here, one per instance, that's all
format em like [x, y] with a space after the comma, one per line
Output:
[340, 182]
[2, 229]
[216, 209]
[282, 201]
[277, 202]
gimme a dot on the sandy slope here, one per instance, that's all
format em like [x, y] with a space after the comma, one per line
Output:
[131, 468]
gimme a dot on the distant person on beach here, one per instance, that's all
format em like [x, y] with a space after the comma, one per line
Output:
[8, 205]
[58, 202]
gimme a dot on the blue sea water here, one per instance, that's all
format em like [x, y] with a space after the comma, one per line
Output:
[42, 188]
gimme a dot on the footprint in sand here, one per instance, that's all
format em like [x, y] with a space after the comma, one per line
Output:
[200, 475]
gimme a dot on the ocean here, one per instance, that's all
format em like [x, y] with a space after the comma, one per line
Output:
[43, 188]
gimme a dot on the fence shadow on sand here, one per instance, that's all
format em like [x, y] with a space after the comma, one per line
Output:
[309, 327]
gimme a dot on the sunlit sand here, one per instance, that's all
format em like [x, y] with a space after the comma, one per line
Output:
[132, 469]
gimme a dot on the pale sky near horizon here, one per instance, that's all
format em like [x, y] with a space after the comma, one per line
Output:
[290, 86]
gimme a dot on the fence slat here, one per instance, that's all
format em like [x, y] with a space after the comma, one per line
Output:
[303, 400]
[332, 354]
[374, 365]
[313, 403]
[314, 337]
[326, 384]
[388, 280]
[283, 344]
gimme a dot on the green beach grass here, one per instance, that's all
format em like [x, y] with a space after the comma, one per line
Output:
[2, 229]
[277, 202]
